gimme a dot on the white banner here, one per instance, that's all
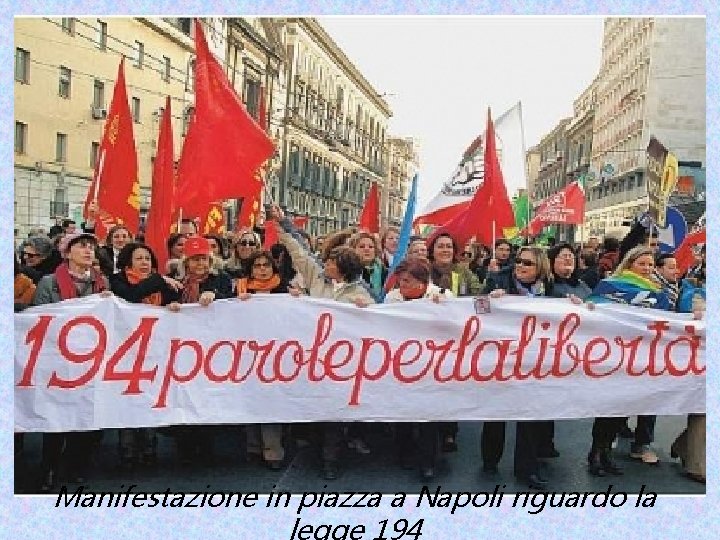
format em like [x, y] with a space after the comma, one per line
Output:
[102, 363]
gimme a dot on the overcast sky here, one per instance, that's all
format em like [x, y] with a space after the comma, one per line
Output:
[445, 71]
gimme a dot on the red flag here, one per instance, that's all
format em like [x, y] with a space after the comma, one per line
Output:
[369, 220]
[213, 221]
[300, 221]
[271, 234]
[566, 207]
[249, 209]
[489, 211]
[684, 254]
[115, 187]
[224, 146]
[160, 215]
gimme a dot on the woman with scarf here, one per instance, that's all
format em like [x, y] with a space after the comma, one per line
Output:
[566, 283]
[201, 284]
[117, 237]
[413, 277]
[38, 253]
[632, 284]
[531, 276]
[338, 279]
[138, 281]
[74, 278]
[264, 278]
[374, 272]
[448, 274]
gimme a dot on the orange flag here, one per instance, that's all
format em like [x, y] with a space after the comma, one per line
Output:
[115, 187]
[160, 215]
[369, 220]
[224, 146]
[490, 210]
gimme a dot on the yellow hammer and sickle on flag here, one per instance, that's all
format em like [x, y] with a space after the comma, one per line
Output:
[134, 198]
[113, 129]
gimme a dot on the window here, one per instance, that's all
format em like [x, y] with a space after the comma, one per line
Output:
[20, 137]
[61, 148]
[136, 110]
[64, 89]
[68, 25]
[94, 153]
[102, 35]
[99, 94]
[22, 65]
[140, 48]
[166, 69]
[251, 95]
[187, 115]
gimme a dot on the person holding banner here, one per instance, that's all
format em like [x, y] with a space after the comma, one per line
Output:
[247, 243]
[531, 276]
[631, 284]
[413, 276]
[138, 281]
[201, 284]
[340, 280]
[75, 277]
[265, 278]
[448, 274]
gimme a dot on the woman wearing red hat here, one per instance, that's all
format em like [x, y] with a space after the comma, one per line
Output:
[75, 277]
[201, 284]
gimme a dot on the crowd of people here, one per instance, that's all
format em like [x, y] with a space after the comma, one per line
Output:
[353, 267]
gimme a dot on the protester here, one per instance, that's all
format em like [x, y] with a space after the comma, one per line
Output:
[39, 254]
[610, 256]
[23, 288]
[389, 245]
[631, 284]
[74, 278]
[340, 280]
[265, 278]
[117, 237]
[201, 284]
[374, 272]
[530, 277]
[446, 273]
[138, 281]
[502, 258]
[247, 243]
[176, 249]
[589, 271]
[413, 276]
[417, 247]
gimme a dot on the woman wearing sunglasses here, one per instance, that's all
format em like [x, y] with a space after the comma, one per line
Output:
[238, 265]
[530, 276]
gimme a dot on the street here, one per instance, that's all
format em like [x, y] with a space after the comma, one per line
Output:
[377, 472]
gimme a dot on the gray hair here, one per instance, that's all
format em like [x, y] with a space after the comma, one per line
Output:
[42, 244]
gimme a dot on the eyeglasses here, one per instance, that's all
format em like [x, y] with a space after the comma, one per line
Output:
[467, 254]
[30, 255]
[250, 243]
[262, 265]
[524, 262]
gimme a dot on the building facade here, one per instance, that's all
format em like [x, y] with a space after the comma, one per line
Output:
[335, 130]
[403, 163]
[65, 72]
[551, 174]
[651, 83]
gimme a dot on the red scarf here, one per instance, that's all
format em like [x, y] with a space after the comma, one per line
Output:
[134, 277]
[66, 281]
[191, 288]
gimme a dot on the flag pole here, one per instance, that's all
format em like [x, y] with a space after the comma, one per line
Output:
[527, 176]
[493, 239]
[179, 220]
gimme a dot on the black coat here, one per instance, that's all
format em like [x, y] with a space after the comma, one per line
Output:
[505, 280]
[120, 286]
[219, 284]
